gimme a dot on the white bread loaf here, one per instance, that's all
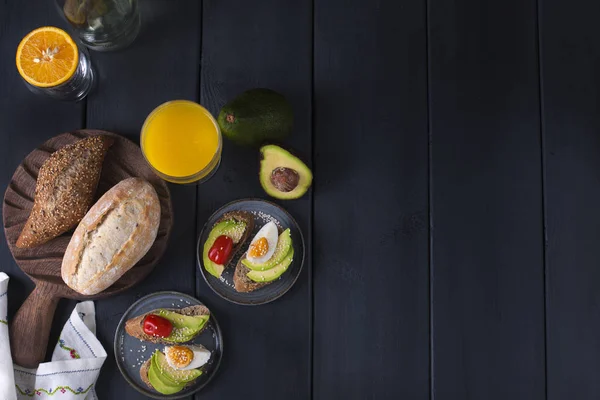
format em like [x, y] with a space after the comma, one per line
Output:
[112, 237]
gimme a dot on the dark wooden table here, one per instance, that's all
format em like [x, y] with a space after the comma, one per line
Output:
[454, 225]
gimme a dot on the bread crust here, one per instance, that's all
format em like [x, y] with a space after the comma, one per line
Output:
[144, 373]
[64, 190]
[131, 205]
[242, 283]
[134, 326]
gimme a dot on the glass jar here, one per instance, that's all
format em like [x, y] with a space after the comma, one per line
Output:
[103, 25]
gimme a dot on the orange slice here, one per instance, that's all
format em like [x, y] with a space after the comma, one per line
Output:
[47, 57]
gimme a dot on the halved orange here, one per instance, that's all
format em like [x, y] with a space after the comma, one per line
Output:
[47, 57]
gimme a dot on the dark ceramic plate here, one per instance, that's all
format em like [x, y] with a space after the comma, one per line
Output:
[130, 353]
[263, 212]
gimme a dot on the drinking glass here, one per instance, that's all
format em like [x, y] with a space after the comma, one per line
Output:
[103, 25]
[182, 142]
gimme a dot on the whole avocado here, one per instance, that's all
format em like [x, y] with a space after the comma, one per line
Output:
[255, 116]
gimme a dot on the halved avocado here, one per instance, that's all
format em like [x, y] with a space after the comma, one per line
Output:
[275, 272]
[232, 228]
[177, 377]
[160, 382]
[284, 244]
[185, 327]
[283, 175]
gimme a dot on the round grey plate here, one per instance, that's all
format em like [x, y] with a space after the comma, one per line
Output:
[263, 212]
[130, 353]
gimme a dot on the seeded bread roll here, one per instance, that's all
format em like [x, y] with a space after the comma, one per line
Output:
[65, 190]
[134, 327]
[112, 237]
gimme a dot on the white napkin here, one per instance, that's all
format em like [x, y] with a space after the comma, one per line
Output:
[7, 379]
[76, 361]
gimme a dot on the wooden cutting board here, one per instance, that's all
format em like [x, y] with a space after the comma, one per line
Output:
[30, 328]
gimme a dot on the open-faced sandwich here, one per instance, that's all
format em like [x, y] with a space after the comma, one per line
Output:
[268, 257]
[178, 365]
[225, 239]
[168, 326]
[174, 369]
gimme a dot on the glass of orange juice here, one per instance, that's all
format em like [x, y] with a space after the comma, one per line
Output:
[182, 142]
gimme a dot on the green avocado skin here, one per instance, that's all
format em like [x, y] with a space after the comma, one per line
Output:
[172, 376]
[284, 244]
[185, 328]
[275, 272]
[222, 228]
[160, 382]
[256, 116]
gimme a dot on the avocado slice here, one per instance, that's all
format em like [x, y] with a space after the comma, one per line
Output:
[170, 374]
[185, 327]
[273, 273]
[255, 116]
[282, 175]
[232, 228]
[160, 382]
[284, 244]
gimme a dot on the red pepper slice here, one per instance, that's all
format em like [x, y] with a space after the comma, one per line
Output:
[155, 325]
[220, 250]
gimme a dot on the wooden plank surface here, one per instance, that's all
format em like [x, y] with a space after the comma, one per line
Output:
[247, 45]
[570, 48]
[487, 233]
[27, 120]
[161, 65]
[371, 279]
[429, 278]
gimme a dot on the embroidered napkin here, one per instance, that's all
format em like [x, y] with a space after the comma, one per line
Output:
[76, 360]
[7, 380]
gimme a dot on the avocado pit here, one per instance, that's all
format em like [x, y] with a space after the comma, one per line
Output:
[285, 179]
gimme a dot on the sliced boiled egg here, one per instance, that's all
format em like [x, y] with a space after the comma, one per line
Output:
[186, 357]
[263, 245]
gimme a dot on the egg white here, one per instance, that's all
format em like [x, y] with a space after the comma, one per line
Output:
[201, 357]
[269, 232]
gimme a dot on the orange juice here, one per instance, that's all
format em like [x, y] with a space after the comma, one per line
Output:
[182, 141]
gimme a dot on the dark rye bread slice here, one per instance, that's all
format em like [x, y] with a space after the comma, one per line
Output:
[239, 216]
[144, 375]
[134, 326]
[242, 283]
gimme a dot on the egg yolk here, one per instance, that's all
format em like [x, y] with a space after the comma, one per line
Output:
[259, 248]
[180, 356]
